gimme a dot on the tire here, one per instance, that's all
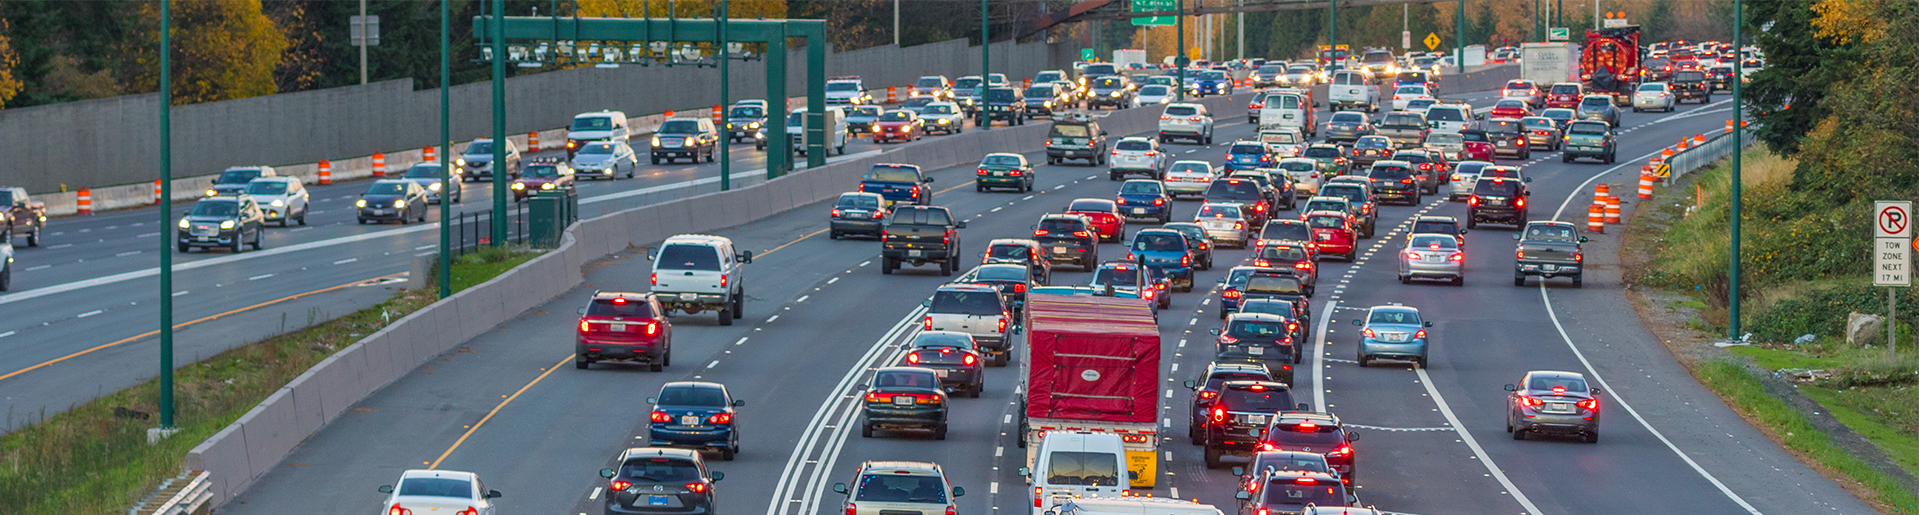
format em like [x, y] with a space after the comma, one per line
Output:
[184, 249]
[1364, 361]
[582, 364]
[939, 433]
[886, 266]
[236, 248]
[1405, 280]
[1192, 435]
[259, 240]
[1519, 434]
[739, 305]
[1589, 438]
[1222, 313]
[303, 213]
[1213, 455]
[725, 317]
[657, 366]
[833, 235]
[33, 238]
[1471, 222]
[1565, 158]
[727, 454]
[1459, 281]
[866, 430]
[1579, 281]
[946, 267]
[1519, 279]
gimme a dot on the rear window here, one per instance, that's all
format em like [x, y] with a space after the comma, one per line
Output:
[1233, 189]
[1283, 253]
[1389, 172]
[1319, 151]
[1181, 111]
[1286, 492]
[1414, 157]
[1404, 120]
[1141, 187]
[1502, 127]
[1347, 117]
[1114, 275]
[901, 488]
[921, 216]
[1571, 384]
[436, 487]
[1273, 283]
[983, 303]
[1133, 144]
[904, 378]
[692, 396]
[1434, 226]
[1537, 123]
[1286, 231]
[609, 308]
[1100, 206]
[1020, 252]
[893, 174]
[1477, 136]
[858, 201]
[660, 470]
[1445, 114]
[1071, 130]
[688, 257]
[1434, 241]
[1269, 400]
[1013, 273]
[1595, 128]
[1256, 329]
[1082, 468]
[1496, 188]
[1160, 241]
[1552, 232]
[1327, 221]
[1248, 148]
[1214, 211]
[1059, 226]
[1565, 89]
[1594, 102]
[1349, 79]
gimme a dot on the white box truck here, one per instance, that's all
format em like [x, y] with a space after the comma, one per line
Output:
[1125, 57]
[1547, 63]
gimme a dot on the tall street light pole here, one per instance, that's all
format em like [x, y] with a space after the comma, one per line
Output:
[1332, 35]
[1459, 39]
[1179, 59]
[726, 143]
[166, 218]
[1738, 129]
[985, 68]
[446, 147]
[497, 27]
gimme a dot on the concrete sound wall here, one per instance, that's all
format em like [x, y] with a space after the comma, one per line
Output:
[260, 439]
[115, 141]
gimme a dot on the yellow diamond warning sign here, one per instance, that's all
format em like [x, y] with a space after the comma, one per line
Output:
[1431, 41]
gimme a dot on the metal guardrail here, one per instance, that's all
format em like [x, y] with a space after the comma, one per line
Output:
[194, 498]
[1705, 154]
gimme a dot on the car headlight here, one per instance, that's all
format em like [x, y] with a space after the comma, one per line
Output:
[754, 125]
[546, 186]
[226, 224]
[184, 224]
[944, 121]
[518, 186]
[359, 203]
[729, 125]
[759, 135]
[212, 193]
[459, 162]
[278, 203]
[399, 203]
[434, 186]
[656, 141]
[1048, 104]
[1115, 94]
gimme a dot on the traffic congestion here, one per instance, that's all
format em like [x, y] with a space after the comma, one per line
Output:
[1233, 313]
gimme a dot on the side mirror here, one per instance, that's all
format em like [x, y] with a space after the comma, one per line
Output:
[386, 489]
[652, 253]
[839, 488]
[1529, 179]
[1511, 388]
[959, 491]
[1024, 472]
[582, 311]
[1515, 237]
[1242, 495]
[960, 225]
[606, 473]
[1429, 323]
[1102, 132]
[1238, 471]
[493, 494]
[1582, 239]
[927, 179]
[926, 303]
[745, 256]
[1222, 281]
[1192, 385]
[651, 400]
[1352, 436]
[737, 403]
[717, 475]
[1594, 391]
[1462, 232]
[1303, 406]
[1357, 322]
[1215, 331]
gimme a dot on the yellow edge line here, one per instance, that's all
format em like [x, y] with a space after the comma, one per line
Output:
[183, 325]
[496, 410]
[790, 243]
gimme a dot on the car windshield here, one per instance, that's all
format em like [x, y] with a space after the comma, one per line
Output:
[905, 378]
[1109, 83]
[1159, 241]
[1593, 128]
[1496, 188]
[1181, 111]
[843, 86]
[598, 149]
[436, 487]
[238, 176]
[1431, 241]
[1570, 384]
[592, 123]
[692, 396]
[893, 174]
[423, 171]
[387, 188]
[1393, 316]
[1048, 76]
[1247, 148]
[547, 171]
[747, 112]
[1271, 70]
[268, 187]
[1001, 95]
[1327, 221]
[858, 201]
[1282, 253]
[1266, 400]
[619, 307]
[1100, 69]
[1039, 92]
[1219, 211]
[215, 208]
[1348, 117]
[966, 84]
[688, 257]
[1551, 232]
[985, 303]
[1141, 187]
[937, 109]
[1068, 130]
[1154, 90]
[1286, 230]
[1377, 57]
[1210, 75]
[1013, 273]
[1535, 122]
[868, 111]
[679, 127]
[1121, 276]
[927, 82]
[480, 148]
[1082, 468]
[1321, 151]
[660, 470]
[1287, 492]
[897, 116]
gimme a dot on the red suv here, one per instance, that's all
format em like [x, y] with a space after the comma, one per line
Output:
[1105, 217]
[1333, 233]
[629, 327]
[1565, 95]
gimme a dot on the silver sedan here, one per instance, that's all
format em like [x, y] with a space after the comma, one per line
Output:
[1432, 256]
[1652, 95]
[1553, 402]
[1465, 173]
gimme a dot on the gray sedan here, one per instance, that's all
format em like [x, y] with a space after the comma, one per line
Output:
[1348, 126]
[1553, 402]
[1432, 256]
[605, 160]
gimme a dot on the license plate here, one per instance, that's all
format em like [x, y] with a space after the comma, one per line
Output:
[902, 400]
[1550, 268]
[914, 253]
[379, 212]
[1255, 351]
[689, 297]
[1256, 419]
[1059, 250]
[616, 327]
[941, 373]
[999, 174]
[203, 238]
[1505, 143]
[1139, 210]
[1430, 259]
[1559, 406]
[656, 500]
[689, 420]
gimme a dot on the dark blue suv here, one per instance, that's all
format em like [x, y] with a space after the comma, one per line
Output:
[1165, 250]
[1247, 155]
[1213, 82]
[1144, 198]
[696, 415]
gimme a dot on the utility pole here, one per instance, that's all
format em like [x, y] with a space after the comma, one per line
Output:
[1239, 49]
[1459, 39]
[166, 219]
[1738, 132]
[1179, 59]
[364, 35]
[985, 68]
[497, 29]
[1539, 32]
[896, 27]
[726, 90]
[445, 154]
[1332, 35]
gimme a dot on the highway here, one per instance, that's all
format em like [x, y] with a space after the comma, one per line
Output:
[104, 268]
[820, 315]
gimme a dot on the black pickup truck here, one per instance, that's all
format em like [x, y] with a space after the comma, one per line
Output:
[920, 235]
[1004, 104]
[1691, 85]
[21, 216]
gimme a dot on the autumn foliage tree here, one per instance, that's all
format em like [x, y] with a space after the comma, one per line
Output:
[221, 50]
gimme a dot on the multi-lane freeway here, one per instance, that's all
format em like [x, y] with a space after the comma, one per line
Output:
[820, 316]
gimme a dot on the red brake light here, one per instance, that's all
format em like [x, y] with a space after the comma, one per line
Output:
[1219, 415]
[1208, 394]
[982, 171]
[722, 281]
[397, 510]
[1591, 404]
[1369, 332]
[1303, 265]
[1578, 257]
[1519, 202]
[1039, 232]
[1305, 480]
[697, 487]
[655, 279]
[661, 417]
[1036, 502]
[1186, 260]
[970, 359]
[854, 510]
[652, 328]
[1149, 153]
[1019, 288]
[1343, 450]
[1002, 323]
[1083, 234]
[1473, 200]
[619, 300]
[720, 418]
[1420, 334]
[836, 212]
[927, 323]
[1230, 294]
[1529, 401]
[583, 326]
[1459, 257]
[913, 357]
[618, 485]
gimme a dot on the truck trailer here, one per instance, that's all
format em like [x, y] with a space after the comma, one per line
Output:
[1091, 365]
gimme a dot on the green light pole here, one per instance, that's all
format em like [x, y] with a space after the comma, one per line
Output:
[446, 147]
[1539, 27]
[726, 143]
[497, 28]
[985, 68]
[1179, 59]
[1459, 39]
[166, 217]
[1738, 128]
[1332, 35]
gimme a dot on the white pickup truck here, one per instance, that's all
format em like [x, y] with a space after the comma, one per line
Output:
[697, 272]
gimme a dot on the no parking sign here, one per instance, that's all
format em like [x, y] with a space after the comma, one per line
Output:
[1892, 243]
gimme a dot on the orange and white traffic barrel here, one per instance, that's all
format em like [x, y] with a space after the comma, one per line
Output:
[156, 192]
[379, 164]
[533, 141]
[426, 154]
[326, 168]
[1612, 209]
[892, 94]
[1595, 219]
[1645, 184]
[718, 117]
[85, 204]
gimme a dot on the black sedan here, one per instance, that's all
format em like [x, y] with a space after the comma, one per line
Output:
[1011, 280]
[953, 357]
[904, 398]
[392, 200]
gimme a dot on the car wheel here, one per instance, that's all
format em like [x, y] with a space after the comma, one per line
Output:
[33, 238]
[1193, 435]
[259, 240]
[1222, 312]
[657, 366]
[1519, 279]
[866, 430]
[739, 305]
[1589, 437]
[1364, 361]
[725, 318]
[727, 454]
[886, 266]
[582, 363]
[1405, 280]
[939, 433]
[1579, 281]
[1565, 158]
[1519, 433]
[184, 249]
[1213, 456]
[1459, 281]
[1471, 222]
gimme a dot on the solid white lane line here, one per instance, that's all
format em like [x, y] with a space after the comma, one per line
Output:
[802, 298]
[147, 235]
[814, 429]
[6, 334]
[127, 253]
[181, 292]
[345, 261]
[259, 277]
[1319, 356]
[715, 363]
[41, 267]
[833, 280]
[90, 313]
[1487, 461]
[1621, 401]
[774, 317]
[742, 340]
[595, 495]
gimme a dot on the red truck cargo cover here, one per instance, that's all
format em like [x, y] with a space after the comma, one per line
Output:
[1092, 358]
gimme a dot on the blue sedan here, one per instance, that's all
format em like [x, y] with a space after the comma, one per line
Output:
[696, 415]
[1145, 198]
[1393, 332]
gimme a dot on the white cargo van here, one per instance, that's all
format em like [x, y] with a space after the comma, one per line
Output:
[1071, 465]
[835, 130]
[1353, 89]
[1288, 109]
[596, 126]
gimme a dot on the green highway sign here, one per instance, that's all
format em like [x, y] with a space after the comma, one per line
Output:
[1557, 34]
[1154, 5]
[1086, 54]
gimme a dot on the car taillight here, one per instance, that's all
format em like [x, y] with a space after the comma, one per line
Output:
[949, 510]
[618, 485]
[1405, 181]
[1230, 294]
[1192, 118]
[1473, 200]
[862, 188]
[661, 417]
[1459, 257]
[916, 192]
[397, 510]
[1002, 324]
[1578, 257]
[1529, 401]
[1254, 106]
[720, 418]
[1368, 332]
[1239, 225]
[1420, 334]
[1519, 202]
[1343, 450]
[1019, 288]
[1036, 496]
[1426, 166]
[913, 357]
[927, 323]
[1591, 404]
[698, 488]
[1162, 117]
[836, 212]
[1412, 256]
[854, 510]
[1186, 260]
[655, 278]
[983, 171]
[1120, 201]
[1039, 232]
[1149, 153]
[583, 326]
[970, 359]
[1159, 201]
[1219, 415]
[1083, 234]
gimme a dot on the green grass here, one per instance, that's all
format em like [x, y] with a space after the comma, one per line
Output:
[87, 460]
[1744, 392]
[1880, 414]
[1784, 358]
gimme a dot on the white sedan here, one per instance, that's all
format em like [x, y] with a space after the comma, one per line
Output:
[1154, 94]
[1652, 95]
[439, 491]
[1406, 94]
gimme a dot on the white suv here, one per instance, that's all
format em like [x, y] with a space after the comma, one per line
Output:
[1186, 121]
[974, 309]
[847, 91]
[900, 487]
[1137, 155]
[697, 272]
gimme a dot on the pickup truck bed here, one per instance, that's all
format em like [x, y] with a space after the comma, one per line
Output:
[918, 235]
